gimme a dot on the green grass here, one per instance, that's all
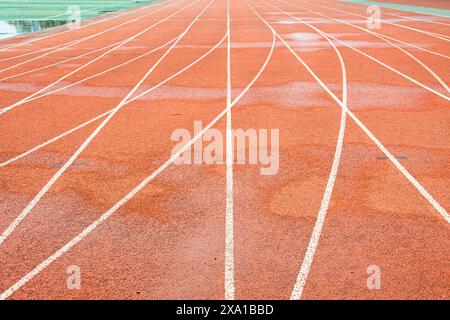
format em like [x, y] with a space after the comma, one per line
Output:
[57, 9]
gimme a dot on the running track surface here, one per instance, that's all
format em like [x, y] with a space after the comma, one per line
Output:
[374, 196]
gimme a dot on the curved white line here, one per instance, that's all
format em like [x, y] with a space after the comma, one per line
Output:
[121, 43]
[380, 36]
[99, 73]
[58, 63]
[10, 229]
[431, 34]
[393, 39]
[390, 38]
[377, 142]
[321, 215]
[392, 69]
[417, 19]
[44, 264]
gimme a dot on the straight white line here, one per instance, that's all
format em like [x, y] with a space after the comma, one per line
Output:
[84, 124]
[392, 69]
[99, 73]
[380, 36]
[69, 162]
[59, 62]
[431, 34]
[383, 149]
[417, 19]
[122, 43]
[385, 36]
[57, 33]
[397, 40]
[69, 44]
[321, 215]
[229, 233]
[320, 220]
[44, 264]
[100, 49]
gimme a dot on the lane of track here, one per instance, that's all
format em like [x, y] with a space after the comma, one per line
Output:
[409, 54]
[64, 77]
[166, 239]
[10, 229]
[347, 290]
[195, 112]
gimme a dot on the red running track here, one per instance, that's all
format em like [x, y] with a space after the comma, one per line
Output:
[87, 177]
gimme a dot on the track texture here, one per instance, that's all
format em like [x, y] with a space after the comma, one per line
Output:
[87, 175]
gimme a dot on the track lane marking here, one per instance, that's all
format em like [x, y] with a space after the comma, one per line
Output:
[10, 229]
[420, 84]
[431, 34]
[428, 197]
[99, 73]
[43, 265]
[391, 68]
[380, 36]
[305, 267]
[142, 94]
[229, 206]
[121, 43]
[383, 35]
[417, 19]
[58, 63]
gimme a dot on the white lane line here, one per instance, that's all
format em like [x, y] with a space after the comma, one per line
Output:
[384, 36]
[69, 44]
[58, 63]
[44, 264]
[84, 124]
[392, 69]
[57, 32]
[121, 43]
[99, 73]
[229, 233]
[380, 36]
[377, 142]
[321, 215]
[431, 34]
[417, 19]
[10, 229]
